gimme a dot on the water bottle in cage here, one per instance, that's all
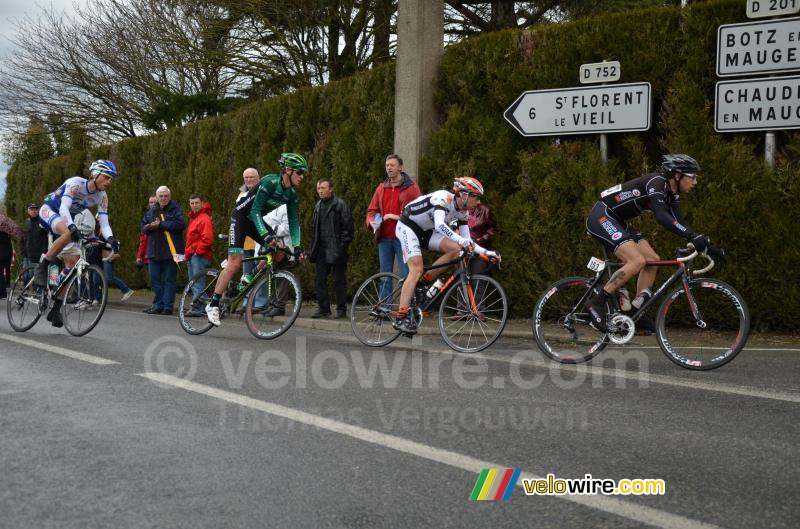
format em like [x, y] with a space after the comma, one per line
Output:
[52, 275]
[624, 299]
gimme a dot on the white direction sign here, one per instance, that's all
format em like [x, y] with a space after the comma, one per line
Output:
[584, 110]
[757, 104]
[600, 72]
[772, 8]
[769, 46]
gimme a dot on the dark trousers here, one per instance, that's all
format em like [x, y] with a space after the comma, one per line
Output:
[340, 282]
[163, 274]
[5, 276]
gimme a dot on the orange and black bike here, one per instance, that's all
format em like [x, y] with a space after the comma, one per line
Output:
[472, 312]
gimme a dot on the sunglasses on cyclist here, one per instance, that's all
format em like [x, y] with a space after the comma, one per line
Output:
[693, 176]
[299, 171]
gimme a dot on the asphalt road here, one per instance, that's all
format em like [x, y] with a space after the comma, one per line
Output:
[140, 425]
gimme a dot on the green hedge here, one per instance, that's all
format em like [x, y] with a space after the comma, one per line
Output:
[539, 189]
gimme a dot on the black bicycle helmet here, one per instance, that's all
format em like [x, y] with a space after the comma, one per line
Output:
[675, 163]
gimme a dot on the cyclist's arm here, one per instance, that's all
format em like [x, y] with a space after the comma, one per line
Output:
[441, 226]
[102, 217]
[63, 209]
[258, 209]
[665, 216]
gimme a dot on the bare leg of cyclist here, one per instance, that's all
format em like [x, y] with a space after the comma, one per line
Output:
[233, 266]
[645, 325]
[648, 274]
[633, 262]
[40, 276]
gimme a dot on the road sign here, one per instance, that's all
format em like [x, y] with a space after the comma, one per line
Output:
[770, 46]
[772, 8]
[600, 72]
[581, 110]
[757, 104]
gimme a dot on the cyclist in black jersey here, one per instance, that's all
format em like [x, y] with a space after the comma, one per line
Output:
[658, 193]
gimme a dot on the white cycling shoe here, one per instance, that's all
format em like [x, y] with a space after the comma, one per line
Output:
[213, 315]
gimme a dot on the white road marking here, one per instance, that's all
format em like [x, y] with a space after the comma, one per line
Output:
[638, 513]
[57, 350]
[730, 389]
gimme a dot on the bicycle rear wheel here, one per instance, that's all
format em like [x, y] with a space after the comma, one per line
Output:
[284, 298]
[371, 310]
[561, 324]
[709, 337]
[79, 313]
[24, 300]
[468, 327]
[197, 324]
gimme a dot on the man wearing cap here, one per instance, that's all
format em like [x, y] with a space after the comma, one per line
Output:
[34, 240]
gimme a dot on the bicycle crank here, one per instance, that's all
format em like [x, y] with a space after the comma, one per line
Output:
[621, 329]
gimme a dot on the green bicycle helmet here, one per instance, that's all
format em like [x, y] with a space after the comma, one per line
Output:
[294, 161]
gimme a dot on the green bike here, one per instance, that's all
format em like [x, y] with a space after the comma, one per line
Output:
[280, 288]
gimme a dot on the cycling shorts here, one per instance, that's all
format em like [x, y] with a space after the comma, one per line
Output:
[610, 231]
[413, 243]
[241, 228]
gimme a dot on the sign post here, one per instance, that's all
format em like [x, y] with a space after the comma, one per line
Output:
[600, 72]
[770, 46]
[772, 8]
[583, 110]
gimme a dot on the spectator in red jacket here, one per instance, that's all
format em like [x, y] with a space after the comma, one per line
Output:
[482, 228]
[199, 249]
[141, 254]
[388, 201]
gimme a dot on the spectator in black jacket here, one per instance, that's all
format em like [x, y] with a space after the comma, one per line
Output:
[34, 241]
[332, 232]
[163, 224]
[6, 257]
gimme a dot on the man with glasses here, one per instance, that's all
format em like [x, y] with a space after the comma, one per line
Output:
[247, 220]
[658, 193]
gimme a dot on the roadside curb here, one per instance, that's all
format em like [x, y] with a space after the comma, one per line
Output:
[513, 328]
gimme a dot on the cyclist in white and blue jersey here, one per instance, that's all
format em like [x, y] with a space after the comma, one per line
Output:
[74, 195]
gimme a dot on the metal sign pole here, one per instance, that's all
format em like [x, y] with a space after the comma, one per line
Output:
[769, 148]
[604, 147]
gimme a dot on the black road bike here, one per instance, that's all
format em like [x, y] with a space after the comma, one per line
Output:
[701, 324]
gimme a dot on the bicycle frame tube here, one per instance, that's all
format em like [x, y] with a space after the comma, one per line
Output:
[680, 274]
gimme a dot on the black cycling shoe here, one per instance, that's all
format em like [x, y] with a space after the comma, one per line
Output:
[645, 326]
[54, 316]
[405, 326]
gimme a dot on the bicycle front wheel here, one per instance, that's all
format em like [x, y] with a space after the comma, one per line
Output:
[85, 297]
[371, 310]
[473, 313]
[705, 329]
[24, 300]
[561, 324]
[283, 300]
[191, 311]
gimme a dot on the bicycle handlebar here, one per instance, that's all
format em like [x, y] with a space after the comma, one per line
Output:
[693, 254]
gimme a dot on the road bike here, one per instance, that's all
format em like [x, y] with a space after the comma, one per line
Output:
[472, 312]
[701, 324]
[81, 309]
[282, 290]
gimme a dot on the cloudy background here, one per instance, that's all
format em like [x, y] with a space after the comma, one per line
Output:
[15, 10]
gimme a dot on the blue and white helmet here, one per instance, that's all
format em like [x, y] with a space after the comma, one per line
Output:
[104, 167]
